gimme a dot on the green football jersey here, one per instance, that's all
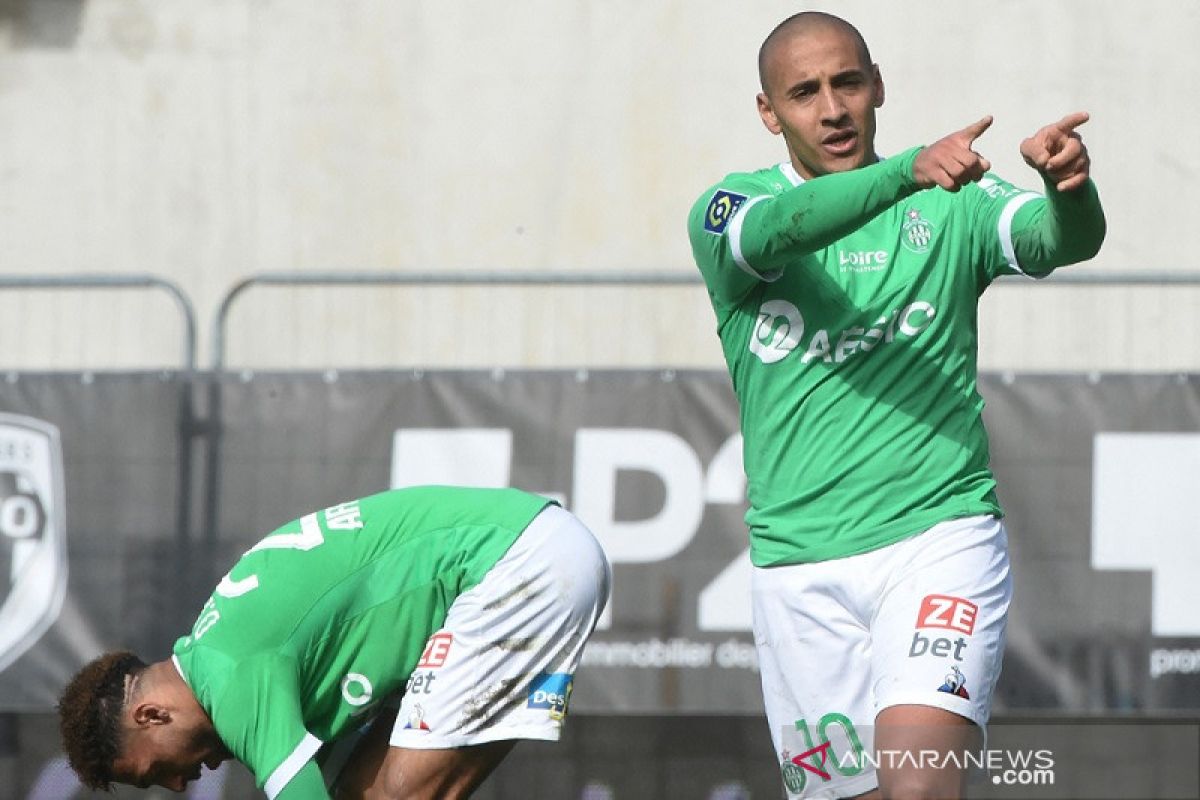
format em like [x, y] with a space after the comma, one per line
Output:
[846, 309]
[329, 614]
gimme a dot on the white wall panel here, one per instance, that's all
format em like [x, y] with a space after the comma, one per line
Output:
[205, 141]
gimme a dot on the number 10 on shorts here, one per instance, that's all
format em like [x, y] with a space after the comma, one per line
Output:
[820, 752]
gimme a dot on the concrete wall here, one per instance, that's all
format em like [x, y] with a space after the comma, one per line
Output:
[205, 141]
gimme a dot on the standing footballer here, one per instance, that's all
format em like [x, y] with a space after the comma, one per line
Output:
[471, 607]
[846, 288]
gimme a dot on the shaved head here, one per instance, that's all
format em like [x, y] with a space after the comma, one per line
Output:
[803, 23]
[820, 91]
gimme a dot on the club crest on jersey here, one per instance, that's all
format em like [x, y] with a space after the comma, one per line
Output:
[33, 547]
[916, 232]
[721, 209]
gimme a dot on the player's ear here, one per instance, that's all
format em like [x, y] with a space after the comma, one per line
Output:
[150, 714]
[767, 113]
[877, 77]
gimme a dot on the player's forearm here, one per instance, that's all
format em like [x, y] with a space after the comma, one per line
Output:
[1067, 228]
[820, 211]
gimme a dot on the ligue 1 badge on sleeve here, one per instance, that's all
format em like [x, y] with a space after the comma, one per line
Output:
[33, 548]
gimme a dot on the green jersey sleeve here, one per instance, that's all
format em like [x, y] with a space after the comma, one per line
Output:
[751, 226]
[1022, 232]
[260, 719]
[1066, 228]
[306, 785]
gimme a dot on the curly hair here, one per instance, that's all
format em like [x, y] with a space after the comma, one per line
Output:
[89, 716]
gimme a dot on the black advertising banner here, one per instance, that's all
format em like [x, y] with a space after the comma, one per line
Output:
[89, 515]
[125, 497]
[1098, 475]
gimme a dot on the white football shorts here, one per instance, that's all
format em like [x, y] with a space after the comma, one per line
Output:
[503, 663]
[918, 622]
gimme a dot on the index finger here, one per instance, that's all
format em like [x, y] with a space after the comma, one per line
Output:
[1072, 121]
[976, 129]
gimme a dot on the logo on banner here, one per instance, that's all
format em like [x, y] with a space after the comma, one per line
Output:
[33, 549]
[1144, 518]
[467, 456]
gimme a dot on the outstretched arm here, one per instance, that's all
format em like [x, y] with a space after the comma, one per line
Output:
[1070, 226]
[824, 209]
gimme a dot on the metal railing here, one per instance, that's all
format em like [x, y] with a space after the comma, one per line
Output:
[118, 281]
[188, 425]
[476, 278]
[429, 279]
[567, 279]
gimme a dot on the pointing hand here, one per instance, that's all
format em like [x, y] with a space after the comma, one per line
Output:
[950, 162]
[1058, 152]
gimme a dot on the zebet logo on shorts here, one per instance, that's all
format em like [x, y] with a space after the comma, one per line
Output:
[940, 611]
[436, 650]
[33, 549]
[551, 691]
